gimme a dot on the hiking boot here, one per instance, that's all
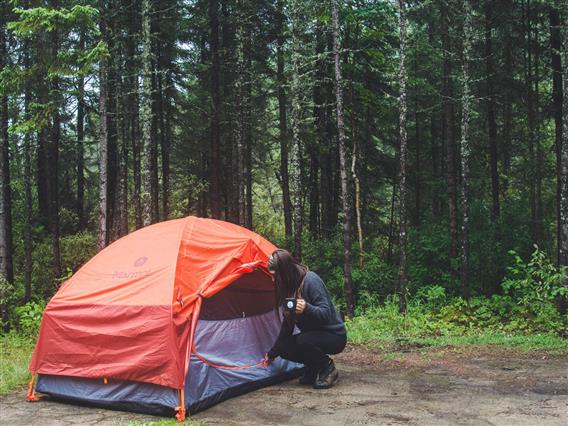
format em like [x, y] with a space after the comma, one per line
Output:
[309, 376]
[327, 377]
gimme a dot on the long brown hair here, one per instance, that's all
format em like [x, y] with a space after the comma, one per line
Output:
[288, 275]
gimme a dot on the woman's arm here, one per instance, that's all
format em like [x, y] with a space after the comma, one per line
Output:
[318, 308]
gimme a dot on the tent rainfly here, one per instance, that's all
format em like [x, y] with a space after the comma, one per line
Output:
[169, 319]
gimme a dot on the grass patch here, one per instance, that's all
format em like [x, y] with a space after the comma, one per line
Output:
[385, 329]
[548, 342]
[15, 353]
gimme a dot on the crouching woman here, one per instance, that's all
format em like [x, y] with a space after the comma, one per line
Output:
[322, 331]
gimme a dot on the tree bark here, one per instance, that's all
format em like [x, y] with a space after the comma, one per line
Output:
[437, 202]
[103, 137]
[164, 142]
[465, 146]
[6, 267]
[6, 243]
[539, 158]
[297, 24]
[556, 64]
[28, 244]
[491, 122]
[282, 120]
[133, 111]
[347, 280]
[240, 106]
[355, 153]
[80, 146]
[215, 162]
[154, 128]
[448, 105]
[122, 199]
[531, 122]
[148, 151]
[563, 223]
[53, 162]
[402, 273]
[507, 96]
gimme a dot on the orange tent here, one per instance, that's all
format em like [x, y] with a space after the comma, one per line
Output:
[130, 313]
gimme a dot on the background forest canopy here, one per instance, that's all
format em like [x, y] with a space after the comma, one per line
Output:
[441, 121]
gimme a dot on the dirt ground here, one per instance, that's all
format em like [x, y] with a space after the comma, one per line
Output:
[473, 386]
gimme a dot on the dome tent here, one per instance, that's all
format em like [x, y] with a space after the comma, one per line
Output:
[174, 316]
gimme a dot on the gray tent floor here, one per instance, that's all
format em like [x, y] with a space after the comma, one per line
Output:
[442, 386]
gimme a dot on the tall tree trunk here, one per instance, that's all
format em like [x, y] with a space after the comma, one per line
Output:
[148, 151]
[418, 154]
[248, 117]
[418, 166]
[248, 167]
[402, 274]
[355, 152]
[6, 243]
[42, 50]
[112, 93]
[448, 104]
[80, 146]
[556, 64]
[133, 110]
[507, 95]
[53, 162]
[6, 266]
[154, 131]
[215, 88]
[392, 218]
[282, 121]
[436, 173]
[531, 122]
[539, 159]
[103, 137]
[314, 195]
[122, 199]
[240, 106]
[320, 151]
[28, 245]
[347, 281]
[563, 222]
[297, 24]
[437, 202]
[491, 122]
[163, 111]
[464, 146]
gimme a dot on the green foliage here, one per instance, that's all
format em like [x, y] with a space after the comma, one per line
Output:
[39, 19]
[372, 283]
[535, 282]
[526, 308]
[454, 324]
[76, 250]
[28, 318]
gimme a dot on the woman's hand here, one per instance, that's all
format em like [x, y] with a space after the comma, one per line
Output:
[267, 360]
[300, 306]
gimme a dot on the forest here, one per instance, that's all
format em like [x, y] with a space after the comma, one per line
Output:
[412, 152]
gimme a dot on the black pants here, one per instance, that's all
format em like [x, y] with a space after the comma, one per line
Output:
[311, 348]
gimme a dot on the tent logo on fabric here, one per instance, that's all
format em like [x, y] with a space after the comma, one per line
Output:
[140, 261]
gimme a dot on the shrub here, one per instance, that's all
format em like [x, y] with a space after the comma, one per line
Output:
[535, 286]
[28, 318]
